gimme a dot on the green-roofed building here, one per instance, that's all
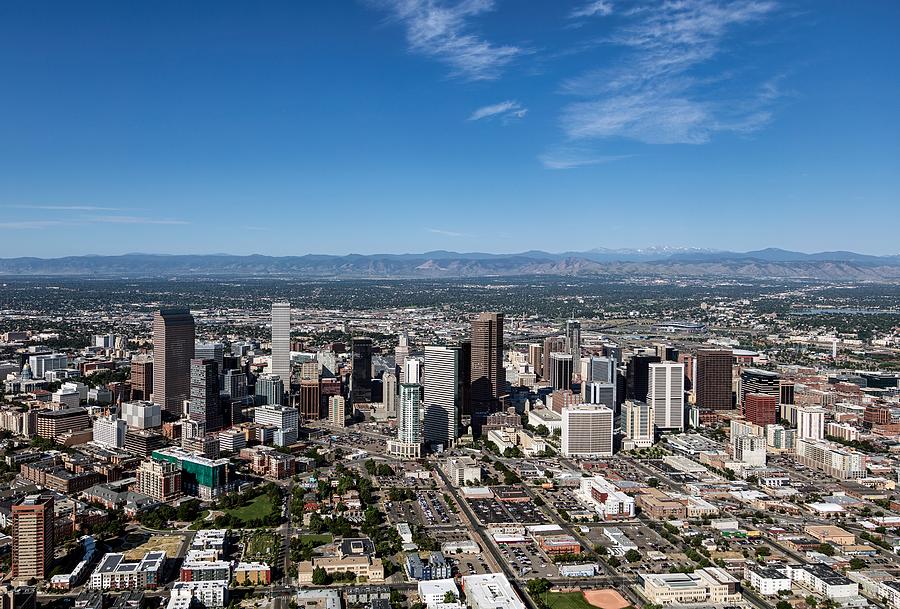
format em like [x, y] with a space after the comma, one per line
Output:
[201, 477]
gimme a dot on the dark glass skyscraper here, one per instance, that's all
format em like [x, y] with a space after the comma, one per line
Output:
[173, 350]
[205, 405]
[638, 377]
[361, 376]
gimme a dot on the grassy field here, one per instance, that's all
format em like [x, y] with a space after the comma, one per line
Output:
[257, 509]
[567, 600]
[262, 545]
[317, 540]
[168, 544]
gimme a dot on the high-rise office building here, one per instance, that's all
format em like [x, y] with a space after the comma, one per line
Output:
[598, 369]
[285, 418]
[561, 369]
[210, 350]
[600, 393]
[173, 350]
[269, 389]
[234, 384]
[310, 399]
[637, 379]
[786, 390]
[613, 352]
[205, 406]
[401, 352]
[810, 423]
[361, 375]
[337, 411]
[552, 344]
[109, 432]
[713, 379]
[33, 525]
[281, 342]
[536, 357]
[141, 377]
[389, 395]
[412, 370]
[687, 360]
[754, 380]
[488, 373]
[573, 340]
[587, 431]
[666, 395]
[760, 408]
[441, 383]
[465, 377]
[638, 423]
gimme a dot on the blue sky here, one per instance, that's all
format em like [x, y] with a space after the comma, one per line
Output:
[408, 125]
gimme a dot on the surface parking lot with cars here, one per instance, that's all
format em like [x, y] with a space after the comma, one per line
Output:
[490, 511]
[428, 509]
[527, 560]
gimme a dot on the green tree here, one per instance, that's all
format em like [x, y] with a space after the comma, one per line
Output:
[632, 555]
[320, 577]
[827, 549]
[783, 605]
[810, 600]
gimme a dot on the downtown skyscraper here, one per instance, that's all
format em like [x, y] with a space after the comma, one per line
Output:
[442, 395]
[713, 379]
[488, 373]
[173, 350]
[205, 406]
[281, 342]
[665, 395]
[361, 373]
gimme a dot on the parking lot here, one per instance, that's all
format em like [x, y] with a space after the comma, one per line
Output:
[467, 564]
[489, 511]
[525, 512]
[429, 509]
[527, 561]
[434, 509]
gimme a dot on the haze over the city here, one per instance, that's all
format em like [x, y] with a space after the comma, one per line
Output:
[410, 125]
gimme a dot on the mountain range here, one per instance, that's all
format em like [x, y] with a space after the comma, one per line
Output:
[665, 262]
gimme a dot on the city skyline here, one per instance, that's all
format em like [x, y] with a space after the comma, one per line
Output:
[695, 124]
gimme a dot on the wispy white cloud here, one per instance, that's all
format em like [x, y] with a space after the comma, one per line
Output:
[506, 110]
[442, 30]
[446, 233]
[63, 207]
[29, 224]
[594, 8]
[570, 159]
[132, 220]
[654, 95]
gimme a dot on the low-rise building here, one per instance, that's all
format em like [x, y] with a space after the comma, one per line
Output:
[823, 580]
[252, 573]
[607, 500]
[463, 470]
[116, 573]
[710, 585]
[768, 581]
[435, 567]
[490, 591]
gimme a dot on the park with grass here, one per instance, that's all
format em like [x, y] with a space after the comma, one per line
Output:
[256, 508]
[566, 600]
